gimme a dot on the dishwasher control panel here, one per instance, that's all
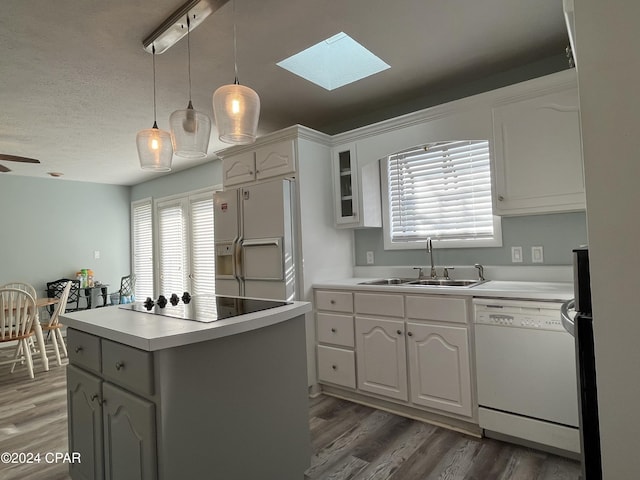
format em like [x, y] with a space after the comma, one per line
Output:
[518, 314]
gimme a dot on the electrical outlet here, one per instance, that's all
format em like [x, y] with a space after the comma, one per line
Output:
[96, 254]
[369, 258]
[537, 255]
[516, 254]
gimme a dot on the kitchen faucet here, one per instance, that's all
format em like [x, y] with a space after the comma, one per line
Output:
[480, 271]
[430, 252]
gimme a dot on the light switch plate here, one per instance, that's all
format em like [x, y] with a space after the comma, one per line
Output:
[516, 254]
[537, 255]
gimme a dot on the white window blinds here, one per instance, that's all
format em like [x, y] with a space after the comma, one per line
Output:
[142, 244]
[202, 244]
[186, 245]
[172, 248]
[442, 191]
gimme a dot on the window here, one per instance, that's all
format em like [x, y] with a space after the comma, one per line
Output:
[180, 233]
[142, 246]
[172, 248]
[186, 244]
[442, 191]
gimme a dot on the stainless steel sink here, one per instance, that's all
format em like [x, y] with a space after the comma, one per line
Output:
[444, 282]
[430, 282]
[386, 281]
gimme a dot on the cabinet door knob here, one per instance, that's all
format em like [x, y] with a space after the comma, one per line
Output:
[79, 349]
[399, 332]
[500, 198]
[410, 334]
[332, 302]
[333, 330]
[334, 367]
[119, 365]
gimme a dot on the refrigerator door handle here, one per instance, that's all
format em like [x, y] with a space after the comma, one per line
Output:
[262, 242]
[565, 318]
[265, 256]
[237, 257]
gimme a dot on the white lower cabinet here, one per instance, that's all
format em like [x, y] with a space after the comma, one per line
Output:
[412, 350]
[439, 368]
[334, 323]
[381, 357]
[336, 365]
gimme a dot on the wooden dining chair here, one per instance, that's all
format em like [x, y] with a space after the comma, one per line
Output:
[54, 325]
[22, 286]
[17, 314]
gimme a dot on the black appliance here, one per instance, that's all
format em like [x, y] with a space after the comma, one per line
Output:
[204, 308]
[586, 368]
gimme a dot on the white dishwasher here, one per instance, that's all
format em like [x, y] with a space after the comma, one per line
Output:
[526, 373]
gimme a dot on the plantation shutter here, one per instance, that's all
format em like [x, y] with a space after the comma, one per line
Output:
[442, 191]
[202, 244]
[142, 242]
[172, 249]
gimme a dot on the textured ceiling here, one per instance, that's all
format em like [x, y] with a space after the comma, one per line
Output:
[76, 85]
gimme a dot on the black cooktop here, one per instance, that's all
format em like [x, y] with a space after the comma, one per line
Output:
[207, 308]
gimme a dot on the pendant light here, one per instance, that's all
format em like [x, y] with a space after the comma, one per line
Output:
[190, 129]
[154, 145]
[236, 108]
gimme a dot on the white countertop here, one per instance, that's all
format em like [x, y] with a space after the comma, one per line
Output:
[156, 332]
[548, 291]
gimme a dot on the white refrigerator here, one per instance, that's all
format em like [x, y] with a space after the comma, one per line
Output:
[254, 241]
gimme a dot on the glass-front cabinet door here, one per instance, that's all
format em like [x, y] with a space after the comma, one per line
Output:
[345, 185]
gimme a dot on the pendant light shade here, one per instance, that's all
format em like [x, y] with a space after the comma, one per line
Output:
[190, 132]
[155, 150]
[237, 110]
[190, 129]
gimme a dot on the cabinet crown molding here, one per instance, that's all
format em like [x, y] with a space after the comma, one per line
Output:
[294, 132]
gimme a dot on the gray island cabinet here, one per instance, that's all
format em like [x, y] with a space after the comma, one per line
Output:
[152, 397]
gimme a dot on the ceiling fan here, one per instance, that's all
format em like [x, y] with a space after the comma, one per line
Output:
[14, 158]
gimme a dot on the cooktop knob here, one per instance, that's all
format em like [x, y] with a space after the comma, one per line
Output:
[186, 298]
[174, 299]
[148, 303]
[162, 301]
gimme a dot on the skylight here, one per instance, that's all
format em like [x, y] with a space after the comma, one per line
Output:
[334, 62]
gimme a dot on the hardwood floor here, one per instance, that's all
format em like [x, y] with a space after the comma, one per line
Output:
[349, 441]
[33, 418]
[354, 442]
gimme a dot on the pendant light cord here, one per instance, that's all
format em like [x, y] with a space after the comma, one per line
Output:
[153, 56]
[189, 54]
[235, 46]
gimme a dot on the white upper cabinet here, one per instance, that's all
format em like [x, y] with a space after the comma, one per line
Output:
[356, 190]
[272, 160]
[275, 159]
[239, 169]
[538, 151]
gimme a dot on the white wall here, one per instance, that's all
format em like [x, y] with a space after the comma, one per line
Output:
[608, 73]
[50, 229]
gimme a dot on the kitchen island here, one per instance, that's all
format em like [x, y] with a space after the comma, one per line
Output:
[151, 396]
